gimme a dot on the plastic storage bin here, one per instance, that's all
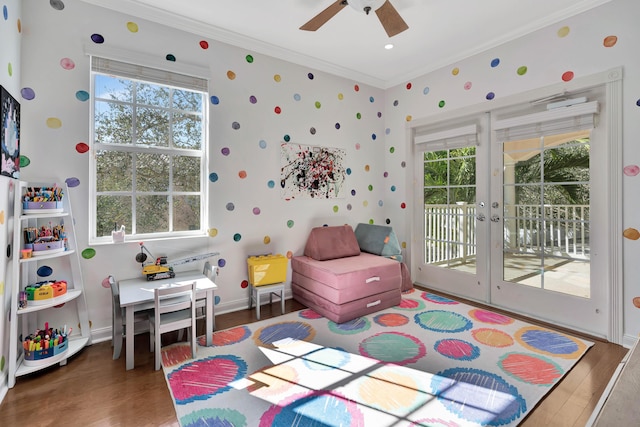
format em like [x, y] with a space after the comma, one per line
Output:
[267, 269]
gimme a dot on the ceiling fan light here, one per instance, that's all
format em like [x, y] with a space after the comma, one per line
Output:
[365, 5]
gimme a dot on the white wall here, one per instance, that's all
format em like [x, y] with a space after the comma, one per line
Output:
[50, 35]
[547, 55]
[10, 34]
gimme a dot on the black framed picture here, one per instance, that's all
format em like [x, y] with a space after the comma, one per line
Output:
[10, 134]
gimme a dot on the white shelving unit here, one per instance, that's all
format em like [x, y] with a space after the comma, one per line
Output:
[24, 321]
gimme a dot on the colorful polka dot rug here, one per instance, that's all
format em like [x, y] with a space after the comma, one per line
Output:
[430, 361]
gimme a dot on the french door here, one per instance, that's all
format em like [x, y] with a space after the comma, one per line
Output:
[514, 213]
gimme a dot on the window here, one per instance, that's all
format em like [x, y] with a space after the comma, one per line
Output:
[149, 142]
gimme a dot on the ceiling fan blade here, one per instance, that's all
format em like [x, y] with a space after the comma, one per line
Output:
[390, 19]
[320, 19]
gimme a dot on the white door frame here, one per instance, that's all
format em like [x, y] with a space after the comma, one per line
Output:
[612, 81]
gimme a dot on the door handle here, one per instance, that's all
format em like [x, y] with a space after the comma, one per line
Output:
[495, 218]
[480, 217]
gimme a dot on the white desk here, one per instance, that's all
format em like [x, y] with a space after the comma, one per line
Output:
[137, 294]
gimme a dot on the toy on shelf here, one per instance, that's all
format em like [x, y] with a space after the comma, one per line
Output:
[42, 200]
[44, 291]
[45, 343]
[45, 239]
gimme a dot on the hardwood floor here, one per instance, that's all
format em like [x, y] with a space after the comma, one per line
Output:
[94, 390]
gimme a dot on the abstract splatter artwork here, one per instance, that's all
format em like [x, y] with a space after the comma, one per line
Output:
[10, 134]
[311, 172]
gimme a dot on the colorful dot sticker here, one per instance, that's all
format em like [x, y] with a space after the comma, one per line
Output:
[67, 64]
[204, 44]
[610, 41]
[88, 253]
[631, 170]
[81, 147]
[563, 32]
[631, 234]
[521, 71]
[54, 123]
[132, 26]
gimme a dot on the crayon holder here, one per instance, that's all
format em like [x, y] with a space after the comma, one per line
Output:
[37, 357]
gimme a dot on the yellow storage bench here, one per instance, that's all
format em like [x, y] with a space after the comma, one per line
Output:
[267, 274]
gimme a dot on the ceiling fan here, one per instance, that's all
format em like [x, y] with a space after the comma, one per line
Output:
[387, 14]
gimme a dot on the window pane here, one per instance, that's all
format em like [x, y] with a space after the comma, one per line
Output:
[152, 127]
[187, 101]
[435, 173]
[111, 210]
[113, 123]
[462, 171]
[113, 88]
[113, 171]
[435, 196]
[150, 94]
[463, 195]
[187, 131]
[152, 172]
[152, 214]
[186, 173]
[186, 213]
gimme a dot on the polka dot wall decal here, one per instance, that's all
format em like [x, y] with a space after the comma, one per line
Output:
[387, 221]
[367, 168]
[266, 240]
[395, 103]
[455, 71]
[290, 223]
[610, 41]
[5, 12]
[256, 211]
[567, 76]
[204, 44]
[318, 105]
[88, 253]
[215, 100]
[44, 271]
[235, 125]
[393, 188]
[348, 171]
[242, 174]
[19, 25]
[212, 232]
[408, 86]
[365, 203]
[312, 131]
[563, 32]
[353, 192]
[441, 103]
[132, 26]
[337, 125]
[271, 184]
[222, 262]
[403, 205]
[403, 164]
[358, 116]
[425, 91]
[72, 182]
[289, 254]
[356, 88]
[371, 99]
[27, 93]
[249, 59]
[231, 75]
[467, 85]
[374, 137]
[67, 63]
[379, 114]
[380, 203]
[97, 38]
[170, 57]
[296, 97]
[54, 123]
[81, 147]
[287, 138]
[521, 71]
[335, 208]
[638, 103]
[636, 302]
[631, 170]
[357, 145]
[262, 144]
[392, 150]
[253, 99]
[277, 78]
[230, 206]
[82, 95]
[385, 174]
[349, 207]
[495, 62]
[631, 234]
[237, 237]
[225, 151]
[310, 76]
[213, 177]
[408, 118]
[277, 110]
[56, 4]
[370, 187]
[10, 69]
[490, 96]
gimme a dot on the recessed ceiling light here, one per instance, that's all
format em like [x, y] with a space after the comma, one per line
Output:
[388, 46]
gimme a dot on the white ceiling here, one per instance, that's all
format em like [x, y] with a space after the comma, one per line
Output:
[351, 44]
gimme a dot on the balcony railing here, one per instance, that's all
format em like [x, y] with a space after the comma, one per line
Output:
[558, 230]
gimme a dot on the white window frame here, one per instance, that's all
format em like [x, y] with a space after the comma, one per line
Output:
[191, 79]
